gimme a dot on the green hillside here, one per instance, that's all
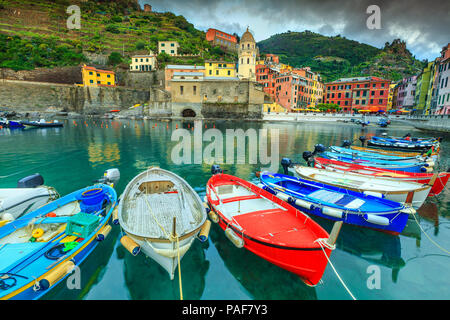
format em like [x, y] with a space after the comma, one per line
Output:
[34, 34]
[336, 57]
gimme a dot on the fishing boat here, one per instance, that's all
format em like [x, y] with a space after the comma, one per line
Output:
[29, 195]
[371, 155]
[438, 181]
[5, 123]
[41, 249]
[402, 144]
[161, 215]
[378, 163]
[43, 124]
[395, 190]
[255, 219]
[421, 155]
[339, 204]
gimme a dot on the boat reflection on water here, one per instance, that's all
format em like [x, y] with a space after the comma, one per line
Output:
[262, 279]
[429, 211]
[147, 280]
[371, 245]
[91, 272]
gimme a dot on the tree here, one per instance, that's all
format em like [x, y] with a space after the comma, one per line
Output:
[114, 58]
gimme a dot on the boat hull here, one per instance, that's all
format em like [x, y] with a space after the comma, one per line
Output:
[437, 186]
[305, 259]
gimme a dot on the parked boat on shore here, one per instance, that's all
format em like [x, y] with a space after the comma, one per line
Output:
[254, 219]
[161, 215]
[421, 155]
[399, 144]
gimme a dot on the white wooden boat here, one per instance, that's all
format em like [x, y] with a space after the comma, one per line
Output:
[392, 189]
[161, 215]
[16, 202]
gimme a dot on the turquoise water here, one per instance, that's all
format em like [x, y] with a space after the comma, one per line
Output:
[69, 158]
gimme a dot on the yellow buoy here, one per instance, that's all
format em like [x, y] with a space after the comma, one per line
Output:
[130, 245]
[55, 275]
[234, 238]
[37, 233]
[104, 233]
[115, 215]
[204, 231]
[213, 216]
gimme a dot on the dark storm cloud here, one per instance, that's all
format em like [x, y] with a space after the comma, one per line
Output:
[424, 25]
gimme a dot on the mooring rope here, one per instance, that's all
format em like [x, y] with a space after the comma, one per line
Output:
[179, 268]
[320, 242]
[432, 241]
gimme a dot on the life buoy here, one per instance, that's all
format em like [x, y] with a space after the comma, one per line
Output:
[37, 233]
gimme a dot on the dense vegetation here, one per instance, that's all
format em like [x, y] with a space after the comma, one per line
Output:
[107, 27]
[337, 57]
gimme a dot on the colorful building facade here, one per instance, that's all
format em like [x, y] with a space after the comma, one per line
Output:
[94, 77]
[247, 56]
[171, 69]
[141, 63]
[361, 93]
[406, 93]
[220, 69]
[222, 39]
[169, 47]
[443, 85]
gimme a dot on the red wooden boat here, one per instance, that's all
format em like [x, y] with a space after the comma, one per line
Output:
[437, 180]
[270, 227]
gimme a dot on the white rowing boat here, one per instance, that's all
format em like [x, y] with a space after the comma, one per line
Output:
[161, 215]
[392, 189]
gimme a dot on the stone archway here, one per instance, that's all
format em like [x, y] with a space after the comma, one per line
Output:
[188, 113]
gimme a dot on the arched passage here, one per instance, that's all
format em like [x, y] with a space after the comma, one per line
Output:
[188, 113]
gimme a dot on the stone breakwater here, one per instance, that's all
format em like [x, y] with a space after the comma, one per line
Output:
[27, 96]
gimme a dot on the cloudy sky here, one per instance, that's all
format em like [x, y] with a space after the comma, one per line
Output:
[423, 24]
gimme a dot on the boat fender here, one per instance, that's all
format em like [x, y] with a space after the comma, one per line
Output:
[428, 170]
[282, 196]
[204, 231]
[213, 216]
[383, 221]
[304, 204]
[207, 208]
[130, 245]
[7, 217]
[260, 185]
[234, 238]
[423, 169]
[333, 212]
[54, 276]
[104, 233]
[115, 216]
[374, 194]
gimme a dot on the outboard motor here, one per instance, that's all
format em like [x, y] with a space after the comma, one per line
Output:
[308, 156]
[110, 177]
[414, 139]
[346, 143]
[286, 163]
[363, 140]
[215, 169]
[318, 148]
[33, 181]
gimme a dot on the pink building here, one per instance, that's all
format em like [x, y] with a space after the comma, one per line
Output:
[442, 83]
[170, 69]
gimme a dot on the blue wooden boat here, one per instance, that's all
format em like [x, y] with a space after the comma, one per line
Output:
[339, 204]
[373, 155]
[39, 250]
[378, 163]
[10, 124]
[402, 144]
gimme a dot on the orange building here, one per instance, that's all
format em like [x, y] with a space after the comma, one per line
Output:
[362, 93]
[93, 77]
[222, 39]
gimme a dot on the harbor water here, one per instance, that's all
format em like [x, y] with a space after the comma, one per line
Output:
[373, 265]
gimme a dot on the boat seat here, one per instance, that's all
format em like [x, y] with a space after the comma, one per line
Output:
[13, 252]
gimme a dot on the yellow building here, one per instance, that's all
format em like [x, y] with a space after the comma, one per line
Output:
[93, 77]
[390, 97]
[273, 107]
[220, 69]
